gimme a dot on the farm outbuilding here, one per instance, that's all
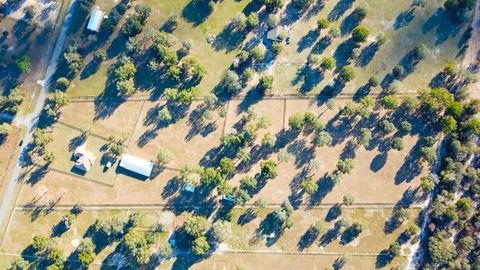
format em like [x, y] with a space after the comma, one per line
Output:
[137, 165]
[95, 20]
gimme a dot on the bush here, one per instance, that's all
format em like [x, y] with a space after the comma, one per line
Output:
[360, 34]
[345, 166]
[373, 81]
[398, 71]
[277, 47]
[323, 138]
[420, 52]
[296, 121]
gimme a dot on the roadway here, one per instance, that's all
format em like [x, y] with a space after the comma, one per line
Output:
[32, 119]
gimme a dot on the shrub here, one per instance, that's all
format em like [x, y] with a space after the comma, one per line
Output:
[269, 169]
[328, 63]
[253, 20]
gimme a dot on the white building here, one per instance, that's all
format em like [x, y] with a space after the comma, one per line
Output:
[137, 165]
[84, 159]
[95, 20]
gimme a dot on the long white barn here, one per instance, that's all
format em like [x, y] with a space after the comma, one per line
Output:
[136, 165]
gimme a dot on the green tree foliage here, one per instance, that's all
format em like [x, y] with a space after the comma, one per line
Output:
[11, 103]
[347, 73]
[390, 102]
[323, 138]
[345, 166]
[441, 249]
[427, 184]
[231, 82]
[221, 230]
[200, 246]
[365, 137]
[348, 199]
[360, 34]
[309, 186]
[227, 166]
[397, 144]
[42, 137]
[197, 226]
[266, 83]
[24, 64]
[86, 252]
[323, 23]
[269, 169]
[328, 63]
[5, 129]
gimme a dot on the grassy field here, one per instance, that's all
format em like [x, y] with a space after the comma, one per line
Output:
[371, 241]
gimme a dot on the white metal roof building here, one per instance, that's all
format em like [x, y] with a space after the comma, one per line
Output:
[137, 165]
[95, 20]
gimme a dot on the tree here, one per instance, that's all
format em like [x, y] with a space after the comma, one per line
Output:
[405, 127]
[397, 144]
[42, 137]
[239, 22]
[323, 23]
[441, 249]
[5, 129]
[231, 82]
[347, 73]
[365, 137]
[323, 138]
[284, 156]
[253, 20]
[49, 157]
[328, 63]
[427, 184]
[73, 61]
[165, 249]
[269, 140]
[227, 166]
[19, 264]
[11, 103]
[248, 183]
[86, 252]
[200, 246]
[345, 166]
[24, 64]
[398, 71]
[221, 230]
[390, 102]
[164, 115]
[360, 12]
[386, 126]
[40, 243]
[394, 249]
[197, 226]
[62, 83]
[296, 121]
[273, 5]
[348, 199]
[360, 34]
[133, 26]
[334, 32]
[266, 83]
[420, 52]
[244, 155]
[429, 154]
[163, 157]
[268, 169]
[309, 186]
[277, 47]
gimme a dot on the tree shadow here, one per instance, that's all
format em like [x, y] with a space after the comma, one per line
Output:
[442, 24]
[308, 238]
[339, 9]
[229, 39]
[308, 40]
[331, 234]
[343, 52]
[404, 18]
[196, 11]
[367, 54]
[348, 24]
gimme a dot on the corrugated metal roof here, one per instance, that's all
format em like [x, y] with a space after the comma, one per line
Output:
[136, 165]
[95, 20]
